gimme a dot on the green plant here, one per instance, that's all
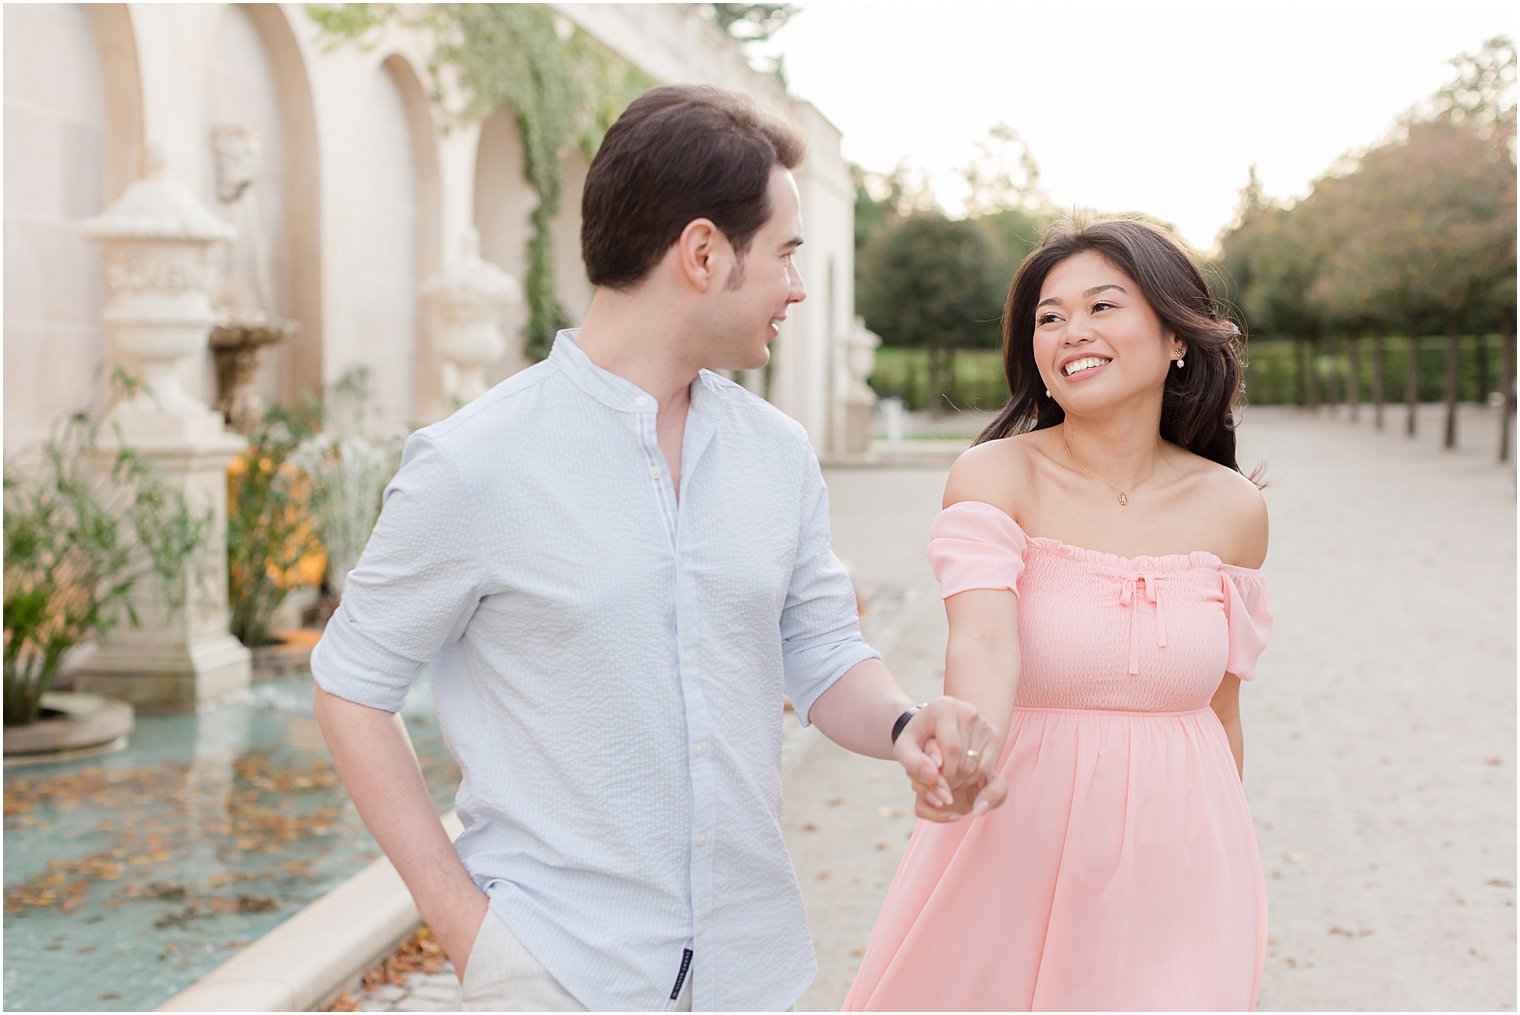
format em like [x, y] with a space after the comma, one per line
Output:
[347, 472]
[272, 545]
[77, 546]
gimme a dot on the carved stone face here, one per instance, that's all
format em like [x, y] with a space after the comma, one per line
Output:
[235, 152]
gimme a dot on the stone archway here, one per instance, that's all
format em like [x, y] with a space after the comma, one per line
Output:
[504, 204]
[382, 223]
[428, 241]
[116, 44]
[257, 76]
[73, 121]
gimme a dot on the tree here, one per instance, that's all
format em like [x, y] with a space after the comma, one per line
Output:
[1481, 97]
[1013, 233]
[753, 22]
[931, 283]
[884, 199]
[1003, 175]
[1418, 232]
[1272, 261]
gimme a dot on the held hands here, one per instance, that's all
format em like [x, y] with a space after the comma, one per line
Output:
[950, 753]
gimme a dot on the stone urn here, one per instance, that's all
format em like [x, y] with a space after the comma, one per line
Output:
[158, 280]
[466, 301]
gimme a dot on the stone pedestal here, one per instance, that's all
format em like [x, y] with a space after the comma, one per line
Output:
[856, 397]
[184, 659]
[466, 301]
[158, 313]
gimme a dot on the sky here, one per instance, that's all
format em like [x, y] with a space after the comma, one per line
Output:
[1139, 106]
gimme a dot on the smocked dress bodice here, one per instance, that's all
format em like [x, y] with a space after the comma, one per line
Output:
[1100, 631]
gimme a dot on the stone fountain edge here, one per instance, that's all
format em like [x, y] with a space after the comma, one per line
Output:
[305, 961]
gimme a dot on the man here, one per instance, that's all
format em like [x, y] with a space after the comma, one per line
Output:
[617, 563]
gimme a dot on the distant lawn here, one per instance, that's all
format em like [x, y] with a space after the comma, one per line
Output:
[1271, 372]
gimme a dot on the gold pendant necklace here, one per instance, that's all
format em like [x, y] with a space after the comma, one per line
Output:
[1123, 494]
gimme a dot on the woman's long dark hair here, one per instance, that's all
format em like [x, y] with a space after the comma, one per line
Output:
[1198, 403]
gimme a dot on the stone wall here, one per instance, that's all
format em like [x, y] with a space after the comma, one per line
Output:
[360, 193]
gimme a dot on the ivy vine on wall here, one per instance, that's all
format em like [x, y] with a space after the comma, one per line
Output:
[564, 87]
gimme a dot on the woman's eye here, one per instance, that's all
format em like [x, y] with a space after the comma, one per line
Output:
[1046, 318]
[1101, 305]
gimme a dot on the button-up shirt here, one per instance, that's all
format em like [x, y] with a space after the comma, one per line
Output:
[608, 662]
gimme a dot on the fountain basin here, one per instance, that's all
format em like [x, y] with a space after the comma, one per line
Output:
[83, 725]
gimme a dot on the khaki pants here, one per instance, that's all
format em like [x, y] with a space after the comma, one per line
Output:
[501, 975]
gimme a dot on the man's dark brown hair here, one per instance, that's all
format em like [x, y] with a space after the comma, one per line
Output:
[679, 153]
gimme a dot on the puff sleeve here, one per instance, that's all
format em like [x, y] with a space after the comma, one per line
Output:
[973, 545]
[1248, 609]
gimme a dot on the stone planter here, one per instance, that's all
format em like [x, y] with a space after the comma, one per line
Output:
[87, 725]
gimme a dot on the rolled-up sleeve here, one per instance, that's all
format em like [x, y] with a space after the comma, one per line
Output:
[415, 588]
[820, 625]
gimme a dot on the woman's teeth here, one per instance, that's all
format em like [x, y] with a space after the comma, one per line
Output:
[1076, 366]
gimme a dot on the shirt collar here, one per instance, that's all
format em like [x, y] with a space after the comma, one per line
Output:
[607, 387]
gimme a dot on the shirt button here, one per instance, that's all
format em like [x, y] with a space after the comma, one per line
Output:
[654, 471]
[701, 928]
[701, 840]
[699, 750]
[686, 658]
[642, 400]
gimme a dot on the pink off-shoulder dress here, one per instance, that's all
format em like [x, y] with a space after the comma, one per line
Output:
[1122, 872]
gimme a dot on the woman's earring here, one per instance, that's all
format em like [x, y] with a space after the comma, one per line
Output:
[1047, 392]
[1180, 362]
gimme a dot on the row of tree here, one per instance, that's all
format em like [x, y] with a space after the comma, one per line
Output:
[1415, 235]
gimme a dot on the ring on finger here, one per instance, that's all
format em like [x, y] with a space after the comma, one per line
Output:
[972, 754]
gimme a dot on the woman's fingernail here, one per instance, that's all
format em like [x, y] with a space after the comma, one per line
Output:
[980, 808]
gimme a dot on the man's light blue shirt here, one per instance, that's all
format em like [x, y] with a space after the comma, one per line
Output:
[608, 665]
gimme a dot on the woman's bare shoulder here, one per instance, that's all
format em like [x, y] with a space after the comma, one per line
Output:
[996, 472]
[1239, 511]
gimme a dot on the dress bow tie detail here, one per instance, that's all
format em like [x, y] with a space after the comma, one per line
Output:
[1132, 590]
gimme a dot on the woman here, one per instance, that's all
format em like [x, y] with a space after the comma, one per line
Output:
[1098, 555]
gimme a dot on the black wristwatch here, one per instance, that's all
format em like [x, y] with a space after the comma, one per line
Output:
[903, 720]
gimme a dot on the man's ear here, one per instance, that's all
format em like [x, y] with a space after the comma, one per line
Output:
[701, 253]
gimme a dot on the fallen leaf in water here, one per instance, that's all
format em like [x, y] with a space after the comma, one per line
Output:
[889, 812]
[834, 801]
[1292, 857]
[810, 827]
[880, 847]
[1501, 882]
[823, 875]
[255, 904]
